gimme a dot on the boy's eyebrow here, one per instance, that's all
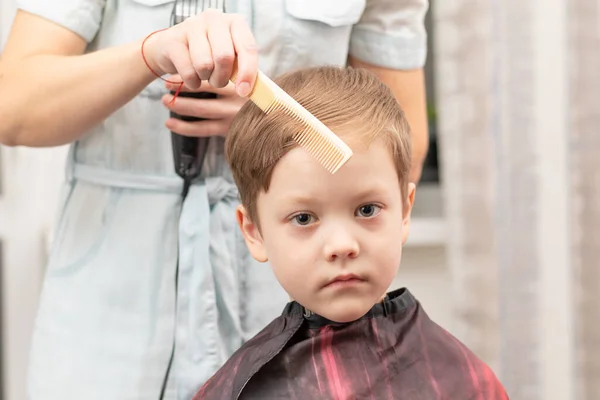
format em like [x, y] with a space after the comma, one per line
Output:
[373, 190]
[297, 198]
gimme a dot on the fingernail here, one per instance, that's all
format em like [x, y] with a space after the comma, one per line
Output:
[244, 89]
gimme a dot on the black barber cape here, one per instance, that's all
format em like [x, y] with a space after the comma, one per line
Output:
[394, 352]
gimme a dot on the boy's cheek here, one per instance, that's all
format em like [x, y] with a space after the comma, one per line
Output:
[291, 269]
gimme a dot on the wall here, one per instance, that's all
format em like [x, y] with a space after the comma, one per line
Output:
[30, 180]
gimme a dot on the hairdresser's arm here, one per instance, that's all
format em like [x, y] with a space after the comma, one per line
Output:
[50, 92]
[409, 88]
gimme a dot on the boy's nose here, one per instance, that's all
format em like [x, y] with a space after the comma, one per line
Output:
[340, 245]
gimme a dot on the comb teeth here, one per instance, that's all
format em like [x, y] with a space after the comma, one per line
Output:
[326, 151]
[318, 140]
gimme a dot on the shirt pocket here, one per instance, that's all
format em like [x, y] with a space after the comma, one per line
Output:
[152, 3]
[317, 32]
[334, 13]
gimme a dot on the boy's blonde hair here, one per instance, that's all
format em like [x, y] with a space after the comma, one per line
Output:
[351, 102]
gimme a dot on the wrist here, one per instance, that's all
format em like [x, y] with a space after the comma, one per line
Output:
[149, 48]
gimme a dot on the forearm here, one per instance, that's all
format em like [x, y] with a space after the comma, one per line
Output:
[409, 89]
[49, 100]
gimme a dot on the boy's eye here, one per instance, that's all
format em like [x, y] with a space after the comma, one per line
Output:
[302, 219]
[368, 211]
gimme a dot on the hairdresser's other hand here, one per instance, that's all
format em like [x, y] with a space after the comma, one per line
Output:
[218, 112]
[204, 48]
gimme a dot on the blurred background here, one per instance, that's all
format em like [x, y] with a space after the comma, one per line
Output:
[505, 243]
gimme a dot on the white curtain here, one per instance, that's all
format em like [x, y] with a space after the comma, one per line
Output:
[584, 121]
[518, 90]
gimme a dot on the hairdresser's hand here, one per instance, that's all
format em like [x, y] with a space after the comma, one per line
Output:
[204, 48]
[218, 112]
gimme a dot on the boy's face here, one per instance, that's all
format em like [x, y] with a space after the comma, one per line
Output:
[333, 241]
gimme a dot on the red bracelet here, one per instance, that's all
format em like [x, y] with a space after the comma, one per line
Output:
[154, 72]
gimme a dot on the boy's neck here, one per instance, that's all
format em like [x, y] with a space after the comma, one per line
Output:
[381, 300]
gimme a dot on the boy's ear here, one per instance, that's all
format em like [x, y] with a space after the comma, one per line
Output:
[251, 234]
[408, 204]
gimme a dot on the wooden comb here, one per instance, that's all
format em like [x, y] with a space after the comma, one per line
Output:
[316, 138]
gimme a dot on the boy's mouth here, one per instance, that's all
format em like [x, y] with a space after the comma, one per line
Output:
[345, 280]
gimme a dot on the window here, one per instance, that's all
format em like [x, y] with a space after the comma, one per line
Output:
[428, 227]
[431, 168]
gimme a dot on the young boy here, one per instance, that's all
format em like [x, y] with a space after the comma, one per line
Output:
[335, 243]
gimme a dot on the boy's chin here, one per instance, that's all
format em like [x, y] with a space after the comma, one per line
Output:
[343, 314]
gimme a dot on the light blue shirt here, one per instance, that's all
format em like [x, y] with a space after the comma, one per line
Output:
[110, 312]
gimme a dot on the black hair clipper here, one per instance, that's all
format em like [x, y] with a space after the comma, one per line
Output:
[189, 152]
